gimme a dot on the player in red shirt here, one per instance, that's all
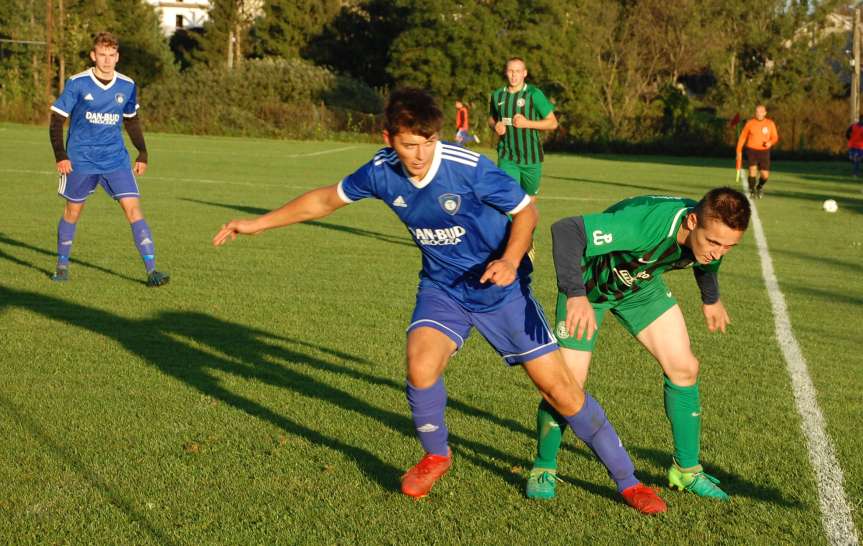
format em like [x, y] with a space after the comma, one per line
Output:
[854, 134]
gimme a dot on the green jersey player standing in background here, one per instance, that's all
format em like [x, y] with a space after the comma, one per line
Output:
[613, 261]
[518, 111]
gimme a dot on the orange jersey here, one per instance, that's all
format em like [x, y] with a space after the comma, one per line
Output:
[855, 139]
[461, 119]
[757, 134]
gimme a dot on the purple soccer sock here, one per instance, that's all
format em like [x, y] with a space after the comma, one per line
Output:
[144, 242]
[65, 236]
[592, 426]
[427, 407]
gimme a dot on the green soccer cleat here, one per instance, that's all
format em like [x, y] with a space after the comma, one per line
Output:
[699, 482]
[157, 278]
[541, 484]
[60, 275]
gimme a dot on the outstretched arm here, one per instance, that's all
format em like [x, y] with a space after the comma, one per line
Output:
[309, 206]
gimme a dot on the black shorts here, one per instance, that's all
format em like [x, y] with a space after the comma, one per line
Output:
[761, 158]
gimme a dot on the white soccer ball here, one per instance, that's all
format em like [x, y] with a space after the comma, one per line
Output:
[830, 205]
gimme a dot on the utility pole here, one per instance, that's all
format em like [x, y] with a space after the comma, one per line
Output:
[855, 75]
[49, 52]
[61, 46]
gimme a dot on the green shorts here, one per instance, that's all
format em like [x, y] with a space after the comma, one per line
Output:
[636, 312]
[526, 175]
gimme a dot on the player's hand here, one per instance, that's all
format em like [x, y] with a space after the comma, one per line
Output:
[519, 121]
[580, 318]
[500, 128]
[234, 228]
[716, 316]
[500, 272]
[139, 168]
[64, 167]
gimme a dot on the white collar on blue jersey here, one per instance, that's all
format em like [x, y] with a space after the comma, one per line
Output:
[100, 84]
[420, 184]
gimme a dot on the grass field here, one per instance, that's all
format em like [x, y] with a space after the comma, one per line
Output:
[258, 398]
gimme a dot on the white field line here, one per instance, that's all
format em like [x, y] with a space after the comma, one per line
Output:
[835, 511]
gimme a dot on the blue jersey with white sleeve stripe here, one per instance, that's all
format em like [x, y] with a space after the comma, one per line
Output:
[96, 111]
[456, 215]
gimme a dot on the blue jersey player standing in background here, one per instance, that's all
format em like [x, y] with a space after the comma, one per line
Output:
[96, 101]
[474, 273]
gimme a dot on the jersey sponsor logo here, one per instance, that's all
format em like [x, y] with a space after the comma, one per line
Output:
[88, 96]
[450, 202]
[561, 332]
[600, 238]
[627, 278]
[501, 103]
[642, 260]
[428, 427]
[100, 118]
[400, 202]
[438, 236]
[120, 98]
[507, 121]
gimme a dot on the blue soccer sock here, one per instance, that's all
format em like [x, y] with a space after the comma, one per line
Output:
[591, 425]
[65, 237]
[427, 407]
[144, 242]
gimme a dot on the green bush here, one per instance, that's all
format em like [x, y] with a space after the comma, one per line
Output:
[262, 97]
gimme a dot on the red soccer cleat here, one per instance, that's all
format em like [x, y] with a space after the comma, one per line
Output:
[644, 499]
[418, 481]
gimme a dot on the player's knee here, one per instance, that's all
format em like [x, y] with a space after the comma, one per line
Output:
[422, 370]
[684, 371]
[566, 397]
[71, 214]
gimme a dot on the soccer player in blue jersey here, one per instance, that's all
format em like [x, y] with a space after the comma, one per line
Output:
[455, 203]
[96, 101]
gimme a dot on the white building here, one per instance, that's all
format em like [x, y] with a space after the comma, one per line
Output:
[187, 14]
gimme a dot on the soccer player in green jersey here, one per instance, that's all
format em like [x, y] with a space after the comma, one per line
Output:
[518, 111]
[613, 261]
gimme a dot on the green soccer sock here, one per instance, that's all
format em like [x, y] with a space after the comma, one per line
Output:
[683, 409]
[549, 432]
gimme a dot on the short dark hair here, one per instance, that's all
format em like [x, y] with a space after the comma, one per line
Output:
[105, 39]
[413, 110]
[727, 205]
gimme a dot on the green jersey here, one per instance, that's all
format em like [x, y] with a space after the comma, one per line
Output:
[633, 242]
[519, 145]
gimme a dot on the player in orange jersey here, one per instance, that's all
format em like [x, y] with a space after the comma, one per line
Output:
[759, 135]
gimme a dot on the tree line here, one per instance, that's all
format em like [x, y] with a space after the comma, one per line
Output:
[626, 75]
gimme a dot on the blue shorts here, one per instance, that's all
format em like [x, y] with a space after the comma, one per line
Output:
[78, 187]
[517, 330]
[855, 154]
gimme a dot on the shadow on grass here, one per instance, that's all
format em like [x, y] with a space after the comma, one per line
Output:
[253, 354]
[652, 189]
[80, 468]
[5, 240]
[845, 203]
[394, 239]
[733, 484]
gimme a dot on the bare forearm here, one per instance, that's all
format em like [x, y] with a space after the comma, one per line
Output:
[547, 124]
[521, 234]
[309, 206]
